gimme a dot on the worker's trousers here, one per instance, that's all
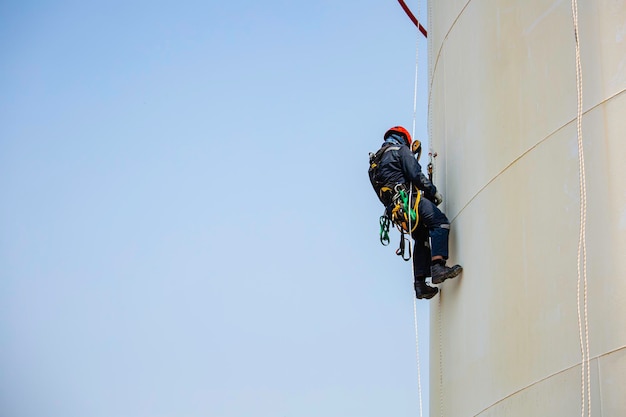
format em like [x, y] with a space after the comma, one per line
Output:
[434, 226]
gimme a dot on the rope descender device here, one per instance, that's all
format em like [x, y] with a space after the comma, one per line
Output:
[430, 165]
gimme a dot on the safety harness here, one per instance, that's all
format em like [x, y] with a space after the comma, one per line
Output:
[397, 199]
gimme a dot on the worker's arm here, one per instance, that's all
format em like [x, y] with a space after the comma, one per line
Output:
[413, 171]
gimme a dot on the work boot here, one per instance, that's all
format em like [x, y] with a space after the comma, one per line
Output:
[440, 272]
[423, 290]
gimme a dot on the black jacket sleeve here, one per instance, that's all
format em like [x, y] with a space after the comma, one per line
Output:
[413, 172]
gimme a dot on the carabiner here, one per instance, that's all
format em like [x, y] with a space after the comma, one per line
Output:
[401, 249]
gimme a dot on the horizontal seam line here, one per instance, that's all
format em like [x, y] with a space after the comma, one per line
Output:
[530, 149]
[546, 378]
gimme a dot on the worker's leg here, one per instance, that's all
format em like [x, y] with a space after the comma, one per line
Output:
[439, 229]
[421, 263]
[421, 252]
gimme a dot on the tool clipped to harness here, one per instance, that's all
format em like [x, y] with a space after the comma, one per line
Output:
[402, 247]
[406, 206]
[385, 222]
[431, 166]
[400, 200]
[402, 214]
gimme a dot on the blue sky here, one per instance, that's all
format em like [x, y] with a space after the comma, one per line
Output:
[187, 228]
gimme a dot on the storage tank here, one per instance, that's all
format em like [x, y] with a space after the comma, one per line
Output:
[536, 324]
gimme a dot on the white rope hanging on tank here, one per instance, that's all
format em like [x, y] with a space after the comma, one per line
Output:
[583, 322]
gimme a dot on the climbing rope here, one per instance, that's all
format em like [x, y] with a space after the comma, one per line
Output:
[417, 354]
[417, 340]
[583, 322]
[417, 343]
[417, 49]
[431, 153]
[440, 311]
[430, 83]
[431, 168]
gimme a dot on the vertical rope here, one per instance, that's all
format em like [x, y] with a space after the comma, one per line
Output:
[417, 353]
[417, 339]
[439, 319]
[431, 74]
[431, 153]
[583, 322]
[415, 83]
[417, 344]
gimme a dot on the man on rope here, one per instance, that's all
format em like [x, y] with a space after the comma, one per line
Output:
[397, 178]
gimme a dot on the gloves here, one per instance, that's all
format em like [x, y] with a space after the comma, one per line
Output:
[438, 198]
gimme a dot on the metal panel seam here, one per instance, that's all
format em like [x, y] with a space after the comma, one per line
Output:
[595, 358]
[530, 149]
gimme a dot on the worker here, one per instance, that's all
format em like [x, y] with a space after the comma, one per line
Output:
[397, 170]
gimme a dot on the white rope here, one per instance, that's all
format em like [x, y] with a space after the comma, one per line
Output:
[439, 319]
[431, 155]
[431, 74]
[417, 354]
[417, 342]
[415, 82]
[583, 322]
[417, 339]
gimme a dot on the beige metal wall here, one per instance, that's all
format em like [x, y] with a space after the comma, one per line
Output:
[505, 337]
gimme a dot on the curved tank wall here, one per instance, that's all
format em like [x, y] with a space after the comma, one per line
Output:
[505, 337]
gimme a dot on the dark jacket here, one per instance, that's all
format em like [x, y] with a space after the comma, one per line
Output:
[399, 166]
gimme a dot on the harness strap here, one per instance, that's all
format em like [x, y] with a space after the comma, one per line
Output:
[401, 207]
[402, 215]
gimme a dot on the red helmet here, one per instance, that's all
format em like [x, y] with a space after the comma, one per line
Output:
[402, 131]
